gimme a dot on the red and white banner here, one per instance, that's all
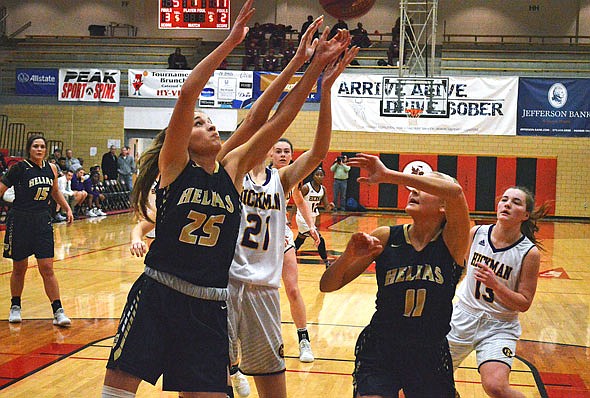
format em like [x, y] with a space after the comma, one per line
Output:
[91, 85]
[461, 105]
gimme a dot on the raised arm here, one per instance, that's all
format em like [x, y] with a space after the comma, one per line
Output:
[246, 156]
[360, 251]
[258, 115]
[174, 155]
[456, 232]
[295, 172]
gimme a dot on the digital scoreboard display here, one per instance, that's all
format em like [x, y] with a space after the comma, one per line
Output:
[194, 14]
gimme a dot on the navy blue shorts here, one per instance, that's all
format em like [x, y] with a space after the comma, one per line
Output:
[383, 368]
[164, 332]
[27, 234]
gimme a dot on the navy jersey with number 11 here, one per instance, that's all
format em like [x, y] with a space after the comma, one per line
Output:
[415, 288]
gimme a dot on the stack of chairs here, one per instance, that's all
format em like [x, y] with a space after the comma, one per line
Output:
[116, 194]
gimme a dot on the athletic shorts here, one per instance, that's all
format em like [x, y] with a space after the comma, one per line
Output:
[255, 328]
[383, 366]
[289, 242]
[491, 338]
[302, 226]
[27, 234]
[165, 332]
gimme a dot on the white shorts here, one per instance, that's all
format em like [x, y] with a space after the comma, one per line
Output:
[302, 226]
[491, 338]
[254, 328]
[289, 242]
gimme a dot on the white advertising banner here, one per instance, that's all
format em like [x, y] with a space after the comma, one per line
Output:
[148, 118]
[454, 105]
[92, 85]
[225, 89]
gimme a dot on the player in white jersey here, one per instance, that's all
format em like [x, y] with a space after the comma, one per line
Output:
[501, 281]
[291, 276]
[253, 305]
[314, 193]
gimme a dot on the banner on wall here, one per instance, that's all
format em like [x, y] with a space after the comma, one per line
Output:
[554, 107]
[36, 82]
[454, 105]
[92, 85]
[225, 89]
[263, 79]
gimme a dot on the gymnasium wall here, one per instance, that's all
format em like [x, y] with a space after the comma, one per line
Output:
[61, 17]
[534, 160]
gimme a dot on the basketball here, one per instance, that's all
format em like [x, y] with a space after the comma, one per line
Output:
[347, 9]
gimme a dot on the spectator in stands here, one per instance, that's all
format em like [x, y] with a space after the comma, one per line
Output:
[252, 56]
[126, 168]
[288, 53]
[337, 26]
[55, 155]
[72, 163]
[222, 66]
[305, 26]
[95, 198]
[277, 38]
[3, 166]
[65, 187]
[360, 37]
[109, 164]
[77, 185]
[271, 62]
[177, 60]
[61, 163]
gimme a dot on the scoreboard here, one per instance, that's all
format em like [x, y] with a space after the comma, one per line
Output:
[194, 14]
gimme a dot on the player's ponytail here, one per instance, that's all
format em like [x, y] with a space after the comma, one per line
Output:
[529, 227]
[148, 172]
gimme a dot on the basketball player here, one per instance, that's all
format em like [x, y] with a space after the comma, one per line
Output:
[417, 268]
[501, 280]
[254, 307]
[175, 319]
[28, 225]
[291, 276]
[313, 193]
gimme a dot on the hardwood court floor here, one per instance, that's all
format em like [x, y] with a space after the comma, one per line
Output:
[95, 271]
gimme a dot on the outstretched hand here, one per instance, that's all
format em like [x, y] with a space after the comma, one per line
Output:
[308, 44]
[335, 68]
[239, 31]
[138, 248]
[363, 245]
[377, 170]
[329, 50]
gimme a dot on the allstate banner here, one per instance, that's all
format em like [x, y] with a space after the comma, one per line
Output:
[225, 88]
[36, 82]
[554, 107]
[92, 85]
[263, 79]
[454, 105]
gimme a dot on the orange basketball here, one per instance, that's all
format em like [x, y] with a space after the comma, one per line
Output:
[347, 9]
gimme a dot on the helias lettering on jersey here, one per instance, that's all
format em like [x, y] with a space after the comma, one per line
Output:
[40, 181]
[501, 270]
[425, 272]
[206, 198]
[261, 200]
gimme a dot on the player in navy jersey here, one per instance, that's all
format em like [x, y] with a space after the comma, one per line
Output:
[28, 225]
[417, 268]
[502, 271]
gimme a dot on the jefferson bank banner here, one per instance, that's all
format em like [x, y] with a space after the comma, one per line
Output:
[91, 85]
[225, 89]
[454, 105]
[554, 107]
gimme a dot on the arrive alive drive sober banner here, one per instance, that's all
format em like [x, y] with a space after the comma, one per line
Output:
[554, 107]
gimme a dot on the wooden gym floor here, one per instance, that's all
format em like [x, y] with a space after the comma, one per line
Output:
[95, 271]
